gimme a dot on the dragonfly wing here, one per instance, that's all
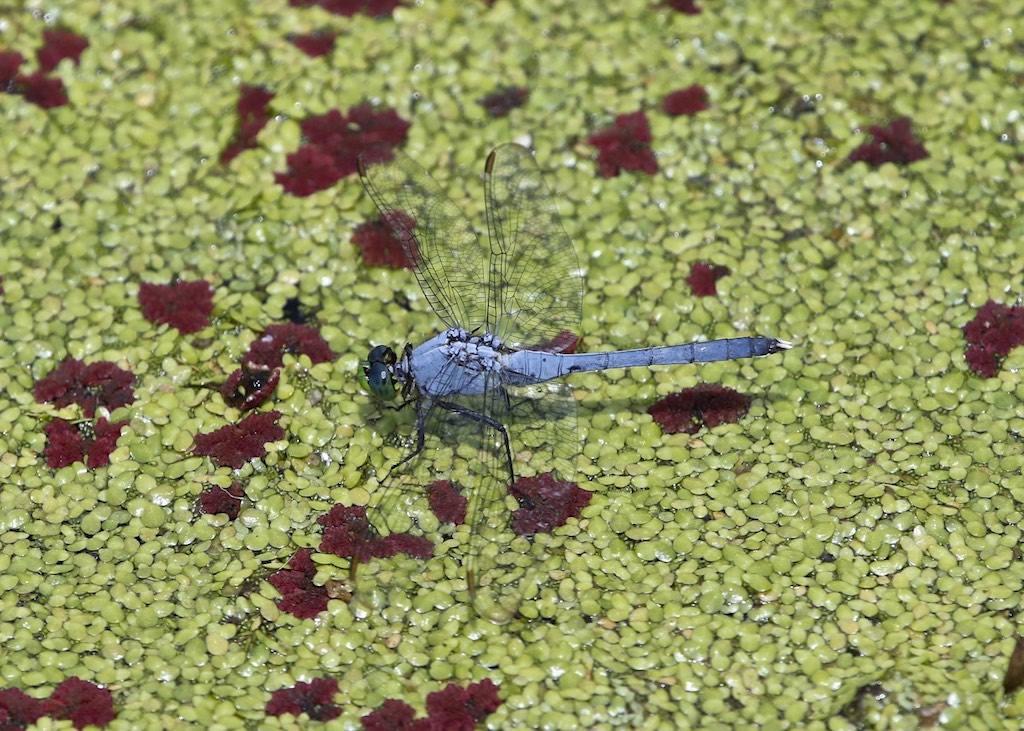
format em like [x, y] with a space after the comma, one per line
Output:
[535, 285]
[449, 258]
[464, 454]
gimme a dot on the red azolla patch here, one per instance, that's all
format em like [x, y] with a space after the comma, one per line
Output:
[249, 386]
[994, 332]
[704, 405]
[80, 702]
[235, 444]
[348, 533]
[686, 102]
[447, 502]
[893, 143]
[182, 305]
[99, 384]
[334, 144]
[348, 8]
[545, 503]
[268, 350]
[219, 500]
[452, 709]
[315, 699]
[299, 595]
[387, 241]
[253, 114]
[702, 278]
[564, 342]
[500, 102]
[315, 44]
[18, 709]
[41, 89]
[58, 45]
[684, 6]
[625, 145]
[10, 62]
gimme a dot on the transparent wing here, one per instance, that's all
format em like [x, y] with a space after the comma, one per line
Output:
[535, 286]
[437, 237]
[500, 568]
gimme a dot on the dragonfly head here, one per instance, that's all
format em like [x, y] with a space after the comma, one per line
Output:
[379, 372]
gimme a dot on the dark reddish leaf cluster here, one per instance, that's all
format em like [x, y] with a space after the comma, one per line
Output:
[684, 6]
[268, 350]
[75, 700]
[315, 699]
[703, 276]
[91, 443]
[625, 145]
[348, 8]
[253, 114]
[686, 102]
[99, 384]
[386, 241]
[249, 386]
[452, 709]
[182, 305]
[319, 43]
[39, 87]
[447, 502]
[335, 142]
[299, 595]
[545, 503]
[348, 533]
[503, 100]
[252, 384]
[218, 500]
[893, 143]
[564, 342]
[235, 444]
[994, 332]
[704, 405]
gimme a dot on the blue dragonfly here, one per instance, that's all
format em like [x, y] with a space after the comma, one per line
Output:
[489, 402]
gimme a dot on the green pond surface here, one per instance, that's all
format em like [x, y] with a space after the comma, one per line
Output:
[847, 555]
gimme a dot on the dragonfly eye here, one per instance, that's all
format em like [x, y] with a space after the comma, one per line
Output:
[377, 372]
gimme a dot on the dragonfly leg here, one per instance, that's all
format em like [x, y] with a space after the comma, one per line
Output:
[486, 420]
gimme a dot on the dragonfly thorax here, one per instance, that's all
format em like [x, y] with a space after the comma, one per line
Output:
[473, 352]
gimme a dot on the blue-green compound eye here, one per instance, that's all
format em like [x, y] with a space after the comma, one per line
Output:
[378, 372]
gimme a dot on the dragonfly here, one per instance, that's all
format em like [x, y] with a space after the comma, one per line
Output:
[487, 393]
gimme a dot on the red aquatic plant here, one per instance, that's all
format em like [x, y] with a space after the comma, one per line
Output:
[702, 278]
[299, 595]
[348, 533]
[452, 709]
[393, 715]
[315, 699]
[686, 102]
[58, 45]
[503, 100]
[41, 89]
[893, 143]
[10, 62]
[316, 44]
[625, 145]
[447, 502]
[335, 141]
[381, 240]
[545, 503]
[222, 500]
[81, 702]
[684, 6]
[703, 405]
[995, 331]
[268, 350]
[97, 385]
[250, 386]
[183, 305]
[253, 109]
[18, 709]
[235, 444]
